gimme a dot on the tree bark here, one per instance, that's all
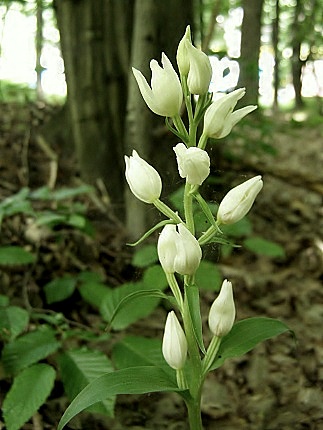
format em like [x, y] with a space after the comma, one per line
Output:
[250, 47]
[95, 37]
[297, 63]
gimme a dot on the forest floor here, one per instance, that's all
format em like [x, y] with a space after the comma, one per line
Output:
[277, 386]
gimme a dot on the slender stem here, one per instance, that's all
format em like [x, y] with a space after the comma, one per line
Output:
[203, 141]
[166, 210]
[175, 290]
[181, 380]
[188, 208]
[178, 122]
[210, 232]
[210, 354]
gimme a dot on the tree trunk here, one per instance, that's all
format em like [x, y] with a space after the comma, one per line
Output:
[154, 31]
[297, 63]
[275, 39]
[250, 47]
[95, 38]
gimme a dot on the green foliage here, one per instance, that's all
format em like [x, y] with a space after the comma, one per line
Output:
[138, 380]
[59, 289]
[261, 246]
[28, 392]
[145, 256]
[13, 321]
[78, 368]
[29, 348]
[15, 256]
[245, 335]
[208, 276]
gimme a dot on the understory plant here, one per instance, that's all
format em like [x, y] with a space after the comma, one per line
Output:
[182, 361]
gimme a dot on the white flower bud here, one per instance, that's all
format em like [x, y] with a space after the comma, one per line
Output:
[174, 343]
[238, 201]
[178, 251]
[200, 71]
[144, 181]
[222, 312]
[193, 163]
[219, 119]
[165, 95]
[182, 58]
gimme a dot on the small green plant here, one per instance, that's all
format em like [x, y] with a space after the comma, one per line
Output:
[183, 359]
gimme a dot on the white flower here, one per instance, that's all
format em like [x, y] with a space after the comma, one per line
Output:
[182, 58]
[174, 343]
[178, 251]
[219, 117]
[222, 312]
[238, 201]
[200, 71]
[165, 95]
[193, 163]
[144, 181]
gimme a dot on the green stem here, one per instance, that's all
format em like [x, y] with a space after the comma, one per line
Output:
[181, 380]
[208, 235]
[166, 210]
[188, 208]
[171, 279]
[177, 120]
[194, 414]
[203, 141]
[210, 354]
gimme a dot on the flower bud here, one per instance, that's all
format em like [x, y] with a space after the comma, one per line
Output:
[238, 201]
[174, 343]
[193, 163]
[178, 251]
[183, 61]
[144, 181]
[200, 71]
[222, 312]
[165, 95]
[219, 119]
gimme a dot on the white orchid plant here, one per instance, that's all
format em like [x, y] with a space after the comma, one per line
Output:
[186, 359]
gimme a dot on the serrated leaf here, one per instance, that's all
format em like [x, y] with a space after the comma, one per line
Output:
[133, 380]
[28, 349]
[245, 335]
[145, 256]
[208, 276]
[59, 289]
[13, 320]
[15, 256]
[78, 368]
[261, 246]
[28, 392]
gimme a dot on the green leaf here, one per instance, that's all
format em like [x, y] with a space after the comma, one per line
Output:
[238, 229]
[145, 256]
[193, 301]
[133, 380]
[15, 256]
[208, 276]
[128, 302]
[59, 289]
[261, 246]
[128, 314]
[4, 300]
[139, 351]
[94, 293]
[28, 349]
[13, 321]
[154, 277]
[78, 368]
[46, 193]
[28, 392]
[245, 335]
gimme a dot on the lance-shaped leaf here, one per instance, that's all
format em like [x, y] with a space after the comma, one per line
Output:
[133, 380]
[245, 335]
